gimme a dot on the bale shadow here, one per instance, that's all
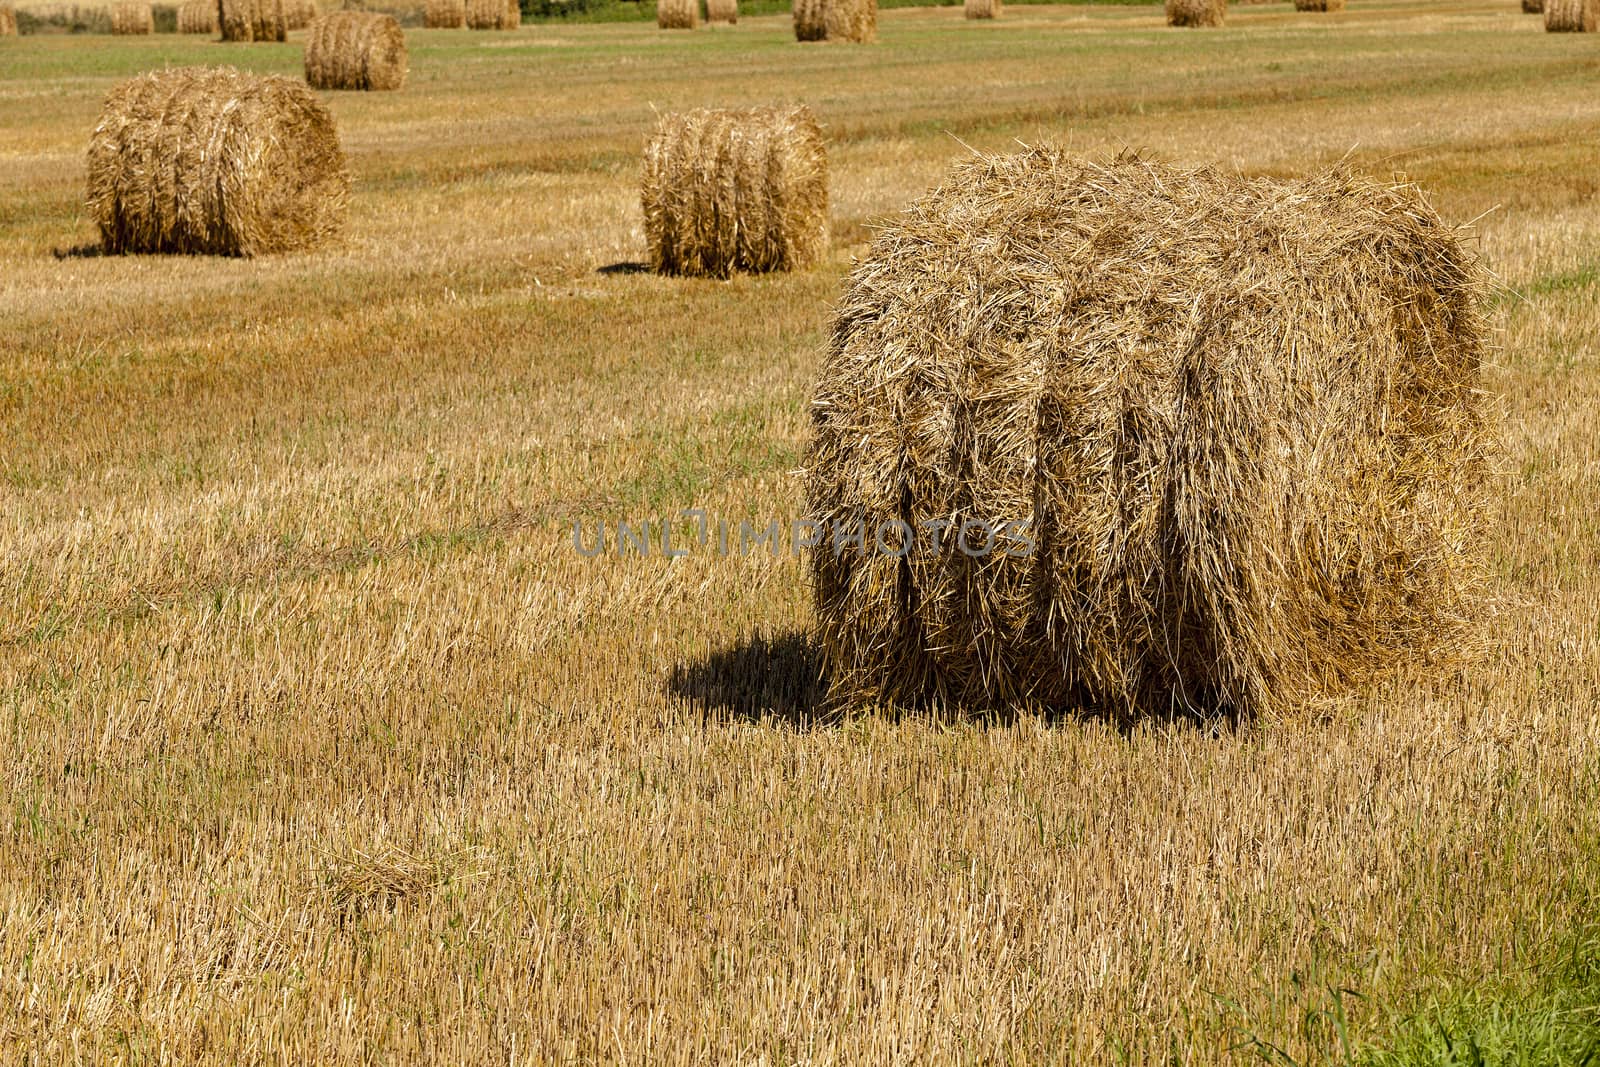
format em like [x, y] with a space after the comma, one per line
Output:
[85, 251]
[624, 268]
[758, 680]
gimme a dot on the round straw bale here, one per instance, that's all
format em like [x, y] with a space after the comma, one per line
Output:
[810, 20]
[252, 20]
[1196, 12]
[493, 14]
[725, 11]
[356, 50]
[1319, 5]
[1227, 435]
[1532, 7]
[983, 9]
[445, 15]
[132, 19]
[298, 14]
[1570, 16]
[727, 191]
[197, 16]
[215, 161]
[8, 21]
[855, 21]
[677, 14]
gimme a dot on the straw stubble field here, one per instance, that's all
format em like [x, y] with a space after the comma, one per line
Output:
[323, 745]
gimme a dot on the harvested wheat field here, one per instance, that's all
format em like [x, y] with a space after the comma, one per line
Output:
[356, 711]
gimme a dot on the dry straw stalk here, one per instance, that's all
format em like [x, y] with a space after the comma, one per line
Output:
[1570, 16]
[252, 20]
[722, 11]
[1196, 12]
[445, 15]
[1240, 420]
[727, 191]
[131, 20]
[677, 14]
[983, 9]
[215, 161]
[1319, 5]
[493, 14]
[356, 50]
[197, 16]
[8, 21]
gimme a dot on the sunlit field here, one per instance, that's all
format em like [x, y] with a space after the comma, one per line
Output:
[323, 745]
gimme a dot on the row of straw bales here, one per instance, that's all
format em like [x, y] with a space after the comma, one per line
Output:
[360, 50]
[1215, 12]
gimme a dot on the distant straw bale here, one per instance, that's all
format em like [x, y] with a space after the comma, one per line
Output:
[854, 21]
[1196, 12]
[1227, 436]
[445, 15]
[983, 9]
[215, 161]
[1570, 16]
[132, 19]
[252, 20]
[8, 21]
[727, 191]
[298, 14]
[356, 50]
[1319, 5]
[1532, 7]
[197, 16]
[677, 14]
[493, 14]
[723, 11]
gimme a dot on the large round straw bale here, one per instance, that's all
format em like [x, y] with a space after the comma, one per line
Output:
[727, 191]
[1196, 12]
[215, 161]
[1319, 5]
[677, 14]
[1570, 16]
[810, 20]
[445, 15]
[356, 50]
[983, 9]
[493, 14]
[724, 11]
[252, 20]
[8, 21]
[1227, 435]
[197, 16]
[132, 19]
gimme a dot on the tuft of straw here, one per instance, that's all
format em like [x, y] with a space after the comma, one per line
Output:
[493, 14]
[8, 21]
[445, 15]
[727, 191]
[132, 19]
[197, 16]
[215, 161]
[1196, 12]
[677, 14]
[724, 11]
[1570, 16]
[1319, 5]
[356, 50]
[983, 9]
[854, 21]
[252, 20]
[1236, 423]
